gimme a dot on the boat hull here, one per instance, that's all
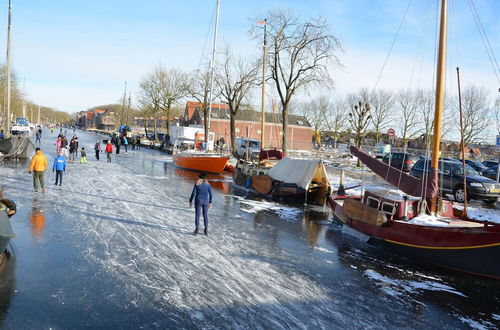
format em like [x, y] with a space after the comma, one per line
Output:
[473, 250]
[298, 196]
[6, 231]
[19, 147]
[208, 164]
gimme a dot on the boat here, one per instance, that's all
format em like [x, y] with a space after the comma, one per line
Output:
[294, 181]
[204, 162]
[6, 231]
[17, 147]
[412, 220]
[201, 162]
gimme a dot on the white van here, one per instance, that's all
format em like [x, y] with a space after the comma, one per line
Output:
[247, 148]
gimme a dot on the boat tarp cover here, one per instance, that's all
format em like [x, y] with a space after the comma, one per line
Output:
[405, 182]
[299, 171]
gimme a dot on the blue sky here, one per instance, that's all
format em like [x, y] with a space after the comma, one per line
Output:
[75, 54]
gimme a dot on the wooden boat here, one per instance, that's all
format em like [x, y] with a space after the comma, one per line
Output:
[201, 162]
[294, 181]
[413, 221]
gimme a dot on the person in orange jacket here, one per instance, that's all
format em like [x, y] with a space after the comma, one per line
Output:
[38, 166]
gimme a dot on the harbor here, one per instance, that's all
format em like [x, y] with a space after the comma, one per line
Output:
[113, 247]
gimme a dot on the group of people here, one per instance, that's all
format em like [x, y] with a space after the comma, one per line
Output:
[201, 193]
[62, 148]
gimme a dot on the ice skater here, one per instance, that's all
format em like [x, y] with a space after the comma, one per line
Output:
[38, 166]
[109, 151]
[97, 148]
[83, 158]
[202, 195]
[59, 167]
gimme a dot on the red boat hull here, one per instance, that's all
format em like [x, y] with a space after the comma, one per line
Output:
[472, 250]
[208, 164]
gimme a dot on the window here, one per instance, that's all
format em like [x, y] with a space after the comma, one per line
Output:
[300, 122]
[388, 208]
[373, 202]
[419, 166]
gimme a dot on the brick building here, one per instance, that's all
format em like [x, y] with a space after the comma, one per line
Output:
[299, 130]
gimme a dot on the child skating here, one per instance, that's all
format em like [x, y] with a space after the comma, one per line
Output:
[83, 159]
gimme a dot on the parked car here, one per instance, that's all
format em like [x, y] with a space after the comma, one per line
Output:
[451, 181]
[477, 165]
[490, 163]
[491, 173]
[400, 160]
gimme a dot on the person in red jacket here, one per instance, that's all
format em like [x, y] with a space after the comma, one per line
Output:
[109, 150]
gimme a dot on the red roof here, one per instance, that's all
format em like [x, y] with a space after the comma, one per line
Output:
[191, 107]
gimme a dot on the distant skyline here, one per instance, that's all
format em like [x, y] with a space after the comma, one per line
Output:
[77, 54]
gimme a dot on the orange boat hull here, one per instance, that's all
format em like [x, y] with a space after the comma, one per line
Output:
[201, 163]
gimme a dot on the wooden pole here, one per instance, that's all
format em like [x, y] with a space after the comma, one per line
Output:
[263, 115]
[462, 144]
[7, 72]
[438, 110]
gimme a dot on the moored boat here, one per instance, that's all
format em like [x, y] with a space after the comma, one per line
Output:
[201, 162]
[414, 221]
[295, 181]
[6, 231]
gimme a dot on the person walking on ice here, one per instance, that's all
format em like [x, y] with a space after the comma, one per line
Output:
[202, 195]
[59, 167]
[97, 148]
[109, 150]
[38, 166]
[83, 154]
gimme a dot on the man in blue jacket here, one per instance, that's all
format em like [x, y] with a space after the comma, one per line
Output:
[202, 194]
[59, 166]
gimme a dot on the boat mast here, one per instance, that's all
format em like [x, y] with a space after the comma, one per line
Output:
[264, 58]
[212, 68]
[7, 74]
[438, 111]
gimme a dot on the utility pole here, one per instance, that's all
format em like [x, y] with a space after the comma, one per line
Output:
[39, 115]
[128, 107]
[7, 73]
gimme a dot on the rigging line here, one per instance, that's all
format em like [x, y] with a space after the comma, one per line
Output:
[207, 37]
[420, 49]
[392, 45]
[484, 38]
[424, 33]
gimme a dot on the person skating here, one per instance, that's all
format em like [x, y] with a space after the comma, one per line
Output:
[125, 143]
[64, 146]
[59, 167]
[117, 145]
[202, 195]
[83, 158]
[109, 150]
[38, 137]
[38, 166]
[97, 148]
[73, 149]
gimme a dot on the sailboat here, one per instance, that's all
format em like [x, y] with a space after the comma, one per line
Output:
[416, 223]
[18, 147]
[288, 180]
[204, 161]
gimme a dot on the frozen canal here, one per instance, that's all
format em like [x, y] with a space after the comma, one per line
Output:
[113, 248]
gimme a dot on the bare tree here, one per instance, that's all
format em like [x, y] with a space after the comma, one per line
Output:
[299, 54]
[336, 118]
[150, 97]
[199, 88]
[316, 112]
[407, 104]
[475, 113]
[382, 105]
[173, 85]
[235, 79]
[359, 116]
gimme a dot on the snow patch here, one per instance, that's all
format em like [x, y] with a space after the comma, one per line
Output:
[427, 220]
[407, 286]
